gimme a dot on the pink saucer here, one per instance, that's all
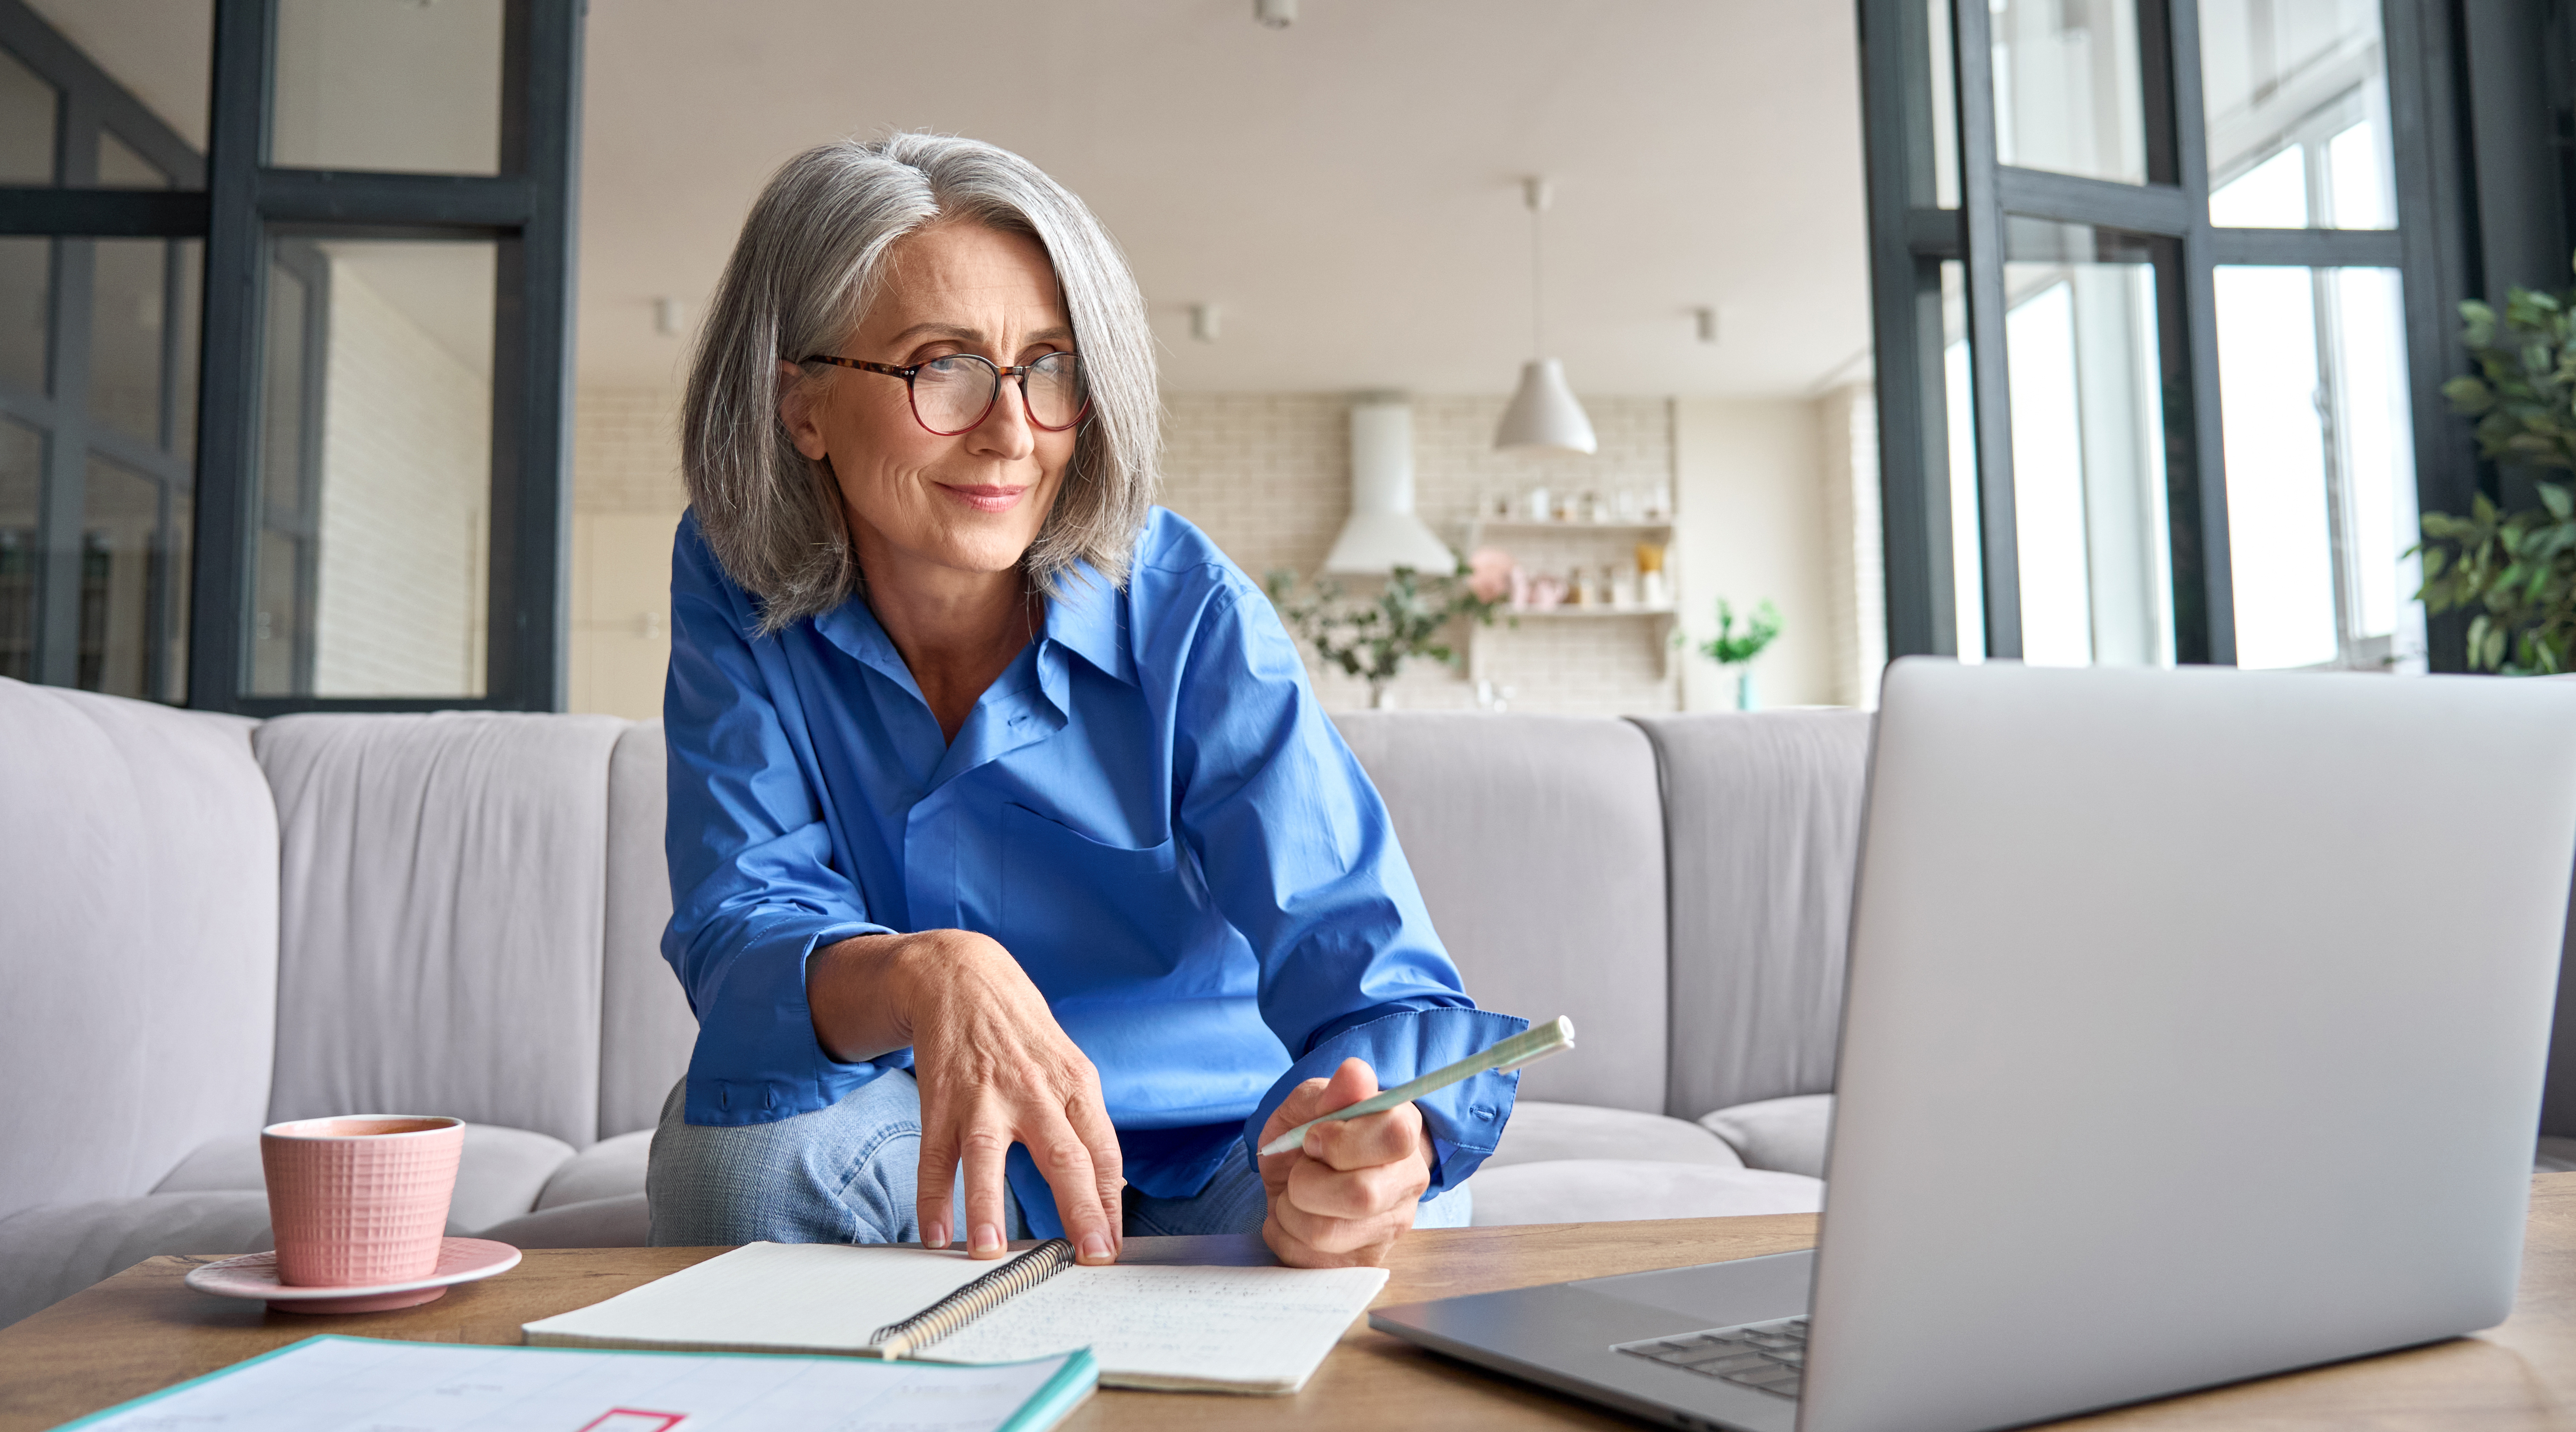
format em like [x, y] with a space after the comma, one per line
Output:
[254, 1275]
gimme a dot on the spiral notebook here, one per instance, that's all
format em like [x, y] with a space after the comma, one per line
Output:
[1164, 1327]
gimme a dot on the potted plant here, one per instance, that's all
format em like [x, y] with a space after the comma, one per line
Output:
[2514, 572]
[1730, 650]
[1372, 639]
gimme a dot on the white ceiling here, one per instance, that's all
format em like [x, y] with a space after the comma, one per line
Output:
[1345, 190]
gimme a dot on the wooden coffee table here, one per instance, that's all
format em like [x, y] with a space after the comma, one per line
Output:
[143, 1330]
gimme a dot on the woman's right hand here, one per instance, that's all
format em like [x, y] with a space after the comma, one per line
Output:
[994, 1068]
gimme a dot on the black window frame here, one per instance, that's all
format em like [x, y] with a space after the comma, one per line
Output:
[1910, 237]
[527, 210]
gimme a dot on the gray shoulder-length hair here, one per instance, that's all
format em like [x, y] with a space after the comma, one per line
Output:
[811, 257]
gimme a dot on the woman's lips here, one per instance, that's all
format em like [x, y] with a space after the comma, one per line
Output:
[985, 499]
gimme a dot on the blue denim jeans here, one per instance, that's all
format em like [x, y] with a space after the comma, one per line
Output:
[848, 1174]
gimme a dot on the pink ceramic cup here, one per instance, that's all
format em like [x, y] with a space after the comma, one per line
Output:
[360, 1201]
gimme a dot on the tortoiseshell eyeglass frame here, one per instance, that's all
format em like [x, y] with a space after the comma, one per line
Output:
[1021, 372]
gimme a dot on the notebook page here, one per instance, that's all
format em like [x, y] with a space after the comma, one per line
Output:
[769, 1297]
[1241, 1329]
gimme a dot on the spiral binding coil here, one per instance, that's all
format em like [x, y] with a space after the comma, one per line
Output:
[974, 1300]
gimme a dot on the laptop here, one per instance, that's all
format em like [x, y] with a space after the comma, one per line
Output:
[2194, 1031]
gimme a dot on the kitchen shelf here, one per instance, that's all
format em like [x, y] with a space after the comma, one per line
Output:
[1549, 613]
[1523, 524]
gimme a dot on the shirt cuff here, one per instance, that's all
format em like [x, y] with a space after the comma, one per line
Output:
[1464, 1121]
[757, 1059]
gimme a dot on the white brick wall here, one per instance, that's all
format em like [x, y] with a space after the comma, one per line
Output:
[1268, 476]
[406, 485]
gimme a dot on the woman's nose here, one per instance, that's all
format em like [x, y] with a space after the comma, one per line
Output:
[1006, 431]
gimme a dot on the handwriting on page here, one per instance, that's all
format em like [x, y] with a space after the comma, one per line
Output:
[1263, 1326]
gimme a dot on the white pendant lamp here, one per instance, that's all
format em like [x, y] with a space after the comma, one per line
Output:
[1382, 533]
[1543, 412]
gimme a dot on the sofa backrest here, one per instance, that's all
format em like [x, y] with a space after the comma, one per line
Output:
[646, 1030]
[441, 888]
[1540, 851]
[1762, 818]
[138, 941]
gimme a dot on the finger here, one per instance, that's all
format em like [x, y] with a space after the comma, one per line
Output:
[1327, 1192]
[1090, 1121]
[1066, 1163]
[1394, 1136]
[1350, 1083]
[935, 1188]
[1340, 1239]
[985, 1147]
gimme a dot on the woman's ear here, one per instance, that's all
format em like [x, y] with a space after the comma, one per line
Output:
[796, 405]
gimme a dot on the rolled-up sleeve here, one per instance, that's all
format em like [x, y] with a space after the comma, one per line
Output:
[1301, 856]
[753, 890]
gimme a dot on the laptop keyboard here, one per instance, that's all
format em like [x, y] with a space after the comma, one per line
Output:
[1769, 1357]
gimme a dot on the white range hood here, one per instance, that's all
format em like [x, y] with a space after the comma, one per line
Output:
[1382, 533]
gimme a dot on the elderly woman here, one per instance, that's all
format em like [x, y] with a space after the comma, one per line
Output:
[1021, 886]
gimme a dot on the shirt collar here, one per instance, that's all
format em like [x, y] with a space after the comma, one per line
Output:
[1086, 618]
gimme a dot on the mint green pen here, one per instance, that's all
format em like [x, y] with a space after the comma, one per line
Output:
[1534, 1043]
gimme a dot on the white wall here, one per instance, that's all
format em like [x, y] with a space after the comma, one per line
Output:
[1752, 526]
[627, 503]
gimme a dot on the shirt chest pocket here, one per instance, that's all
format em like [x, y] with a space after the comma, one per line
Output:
[1080, 914]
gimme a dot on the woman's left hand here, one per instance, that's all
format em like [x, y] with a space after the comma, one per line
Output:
[1343, 1199]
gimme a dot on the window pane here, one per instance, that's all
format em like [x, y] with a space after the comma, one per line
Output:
[1967, 528]
[22, 478]
[26, 305]
[160, 51]
[2088, 454]
[1945, 106]
[133, 580]
[2320, 467]
[403, 87]
[375, 470]
[26, 124]
[119, 167]
[2067, 94]
[129, 331]
[2305, 78]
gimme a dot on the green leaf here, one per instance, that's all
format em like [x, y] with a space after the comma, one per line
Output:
[2554, 496]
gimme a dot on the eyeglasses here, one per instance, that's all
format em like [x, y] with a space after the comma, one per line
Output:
[953, 395]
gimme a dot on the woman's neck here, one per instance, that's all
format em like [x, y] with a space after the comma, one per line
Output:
[957, 631]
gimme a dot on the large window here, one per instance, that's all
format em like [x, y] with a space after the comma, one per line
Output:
[284, 346]
[2143, 273]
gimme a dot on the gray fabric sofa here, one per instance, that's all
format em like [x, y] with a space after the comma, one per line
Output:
[208, 924]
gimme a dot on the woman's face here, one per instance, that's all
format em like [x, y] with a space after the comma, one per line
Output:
[972, 502]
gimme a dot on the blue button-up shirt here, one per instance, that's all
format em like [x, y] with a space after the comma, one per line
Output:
[1148, 809]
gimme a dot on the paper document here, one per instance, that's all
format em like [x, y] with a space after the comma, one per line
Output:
[1149, 1325]
[340, 1384]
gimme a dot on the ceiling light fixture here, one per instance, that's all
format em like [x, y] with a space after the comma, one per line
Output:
[1275, 14]
[1543, 412]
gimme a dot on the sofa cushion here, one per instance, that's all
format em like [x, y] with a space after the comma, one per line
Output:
[619, 1222]
[1785, 1134]
[1616, 1190]
[499, 1176]
[646, 1030]
[52, 1252]
[611, 1168]
[1538, 842]
[1541, 1132]
[138, 941]
[1762, 813]
[441, 898]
